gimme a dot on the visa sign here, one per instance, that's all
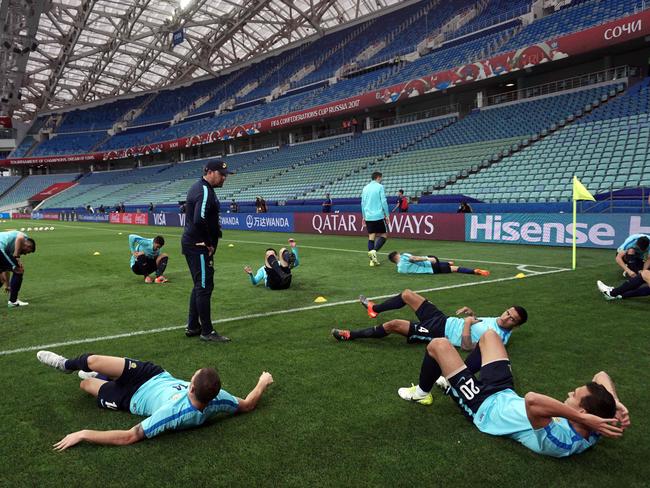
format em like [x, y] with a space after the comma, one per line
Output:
[602, 231]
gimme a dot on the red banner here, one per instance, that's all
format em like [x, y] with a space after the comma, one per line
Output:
[51, 191]
[17, 215]
[5, 122]
[129, 218]
[601, 36]
[439, 227]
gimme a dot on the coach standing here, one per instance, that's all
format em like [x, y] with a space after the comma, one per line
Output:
[199, 243]
[375, 212]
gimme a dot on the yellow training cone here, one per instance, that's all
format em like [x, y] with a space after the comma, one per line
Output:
[520, 275]
[320, 300]
[96, 253]
[231, 245]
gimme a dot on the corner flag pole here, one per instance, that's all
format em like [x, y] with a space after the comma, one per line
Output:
[579, 193]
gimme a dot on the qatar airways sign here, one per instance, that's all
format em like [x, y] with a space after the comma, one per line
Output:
[592, 230]
[408, 225]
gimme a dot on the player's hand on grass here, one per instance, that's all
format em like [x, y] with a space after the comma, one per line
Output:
[606, 427]
[265, 378]
[248, 270]
[622, 415]
[69, 441]
[465, 311]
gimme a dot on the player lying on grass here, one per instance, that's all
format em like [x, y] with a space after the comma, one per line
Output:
[639, 286]
[410, 264]
[541, 423]
[147, 259]
[14, 244]
[146, 389]
[461, 332]
[632, 255]
[276, 272]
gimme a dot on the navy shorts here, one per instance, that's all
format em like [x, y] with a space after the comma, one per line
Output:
[470, 392]
[376, 226]
[116, 394]
[431, 324]
[144, 266]
[5, 264]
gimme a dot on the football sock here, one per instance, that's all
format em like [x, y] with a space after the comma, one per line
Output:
[161, 266]
[370, 333]
[420, 392]
[429, 372]
[473, 360]
[393, 303]
[78, 363]
[465, 270]
[379, 242]
[371, 245]
[629, 285]
[15, 283]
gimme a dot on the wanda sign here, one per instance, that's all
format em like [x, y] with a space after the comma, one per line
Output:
[598, 37]
[448, 227]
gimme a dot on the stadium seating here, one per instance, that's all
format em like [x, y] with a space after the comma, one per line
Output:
[607, 149]
[7, 182]
[31, 185]
[101, 117]
[77, 143]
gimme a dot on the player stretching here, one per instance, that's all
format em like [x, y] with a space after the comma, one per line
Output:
[146, 257]
[410, 264]
[639, 286]
[541, 423]
[146, 389]
[14, 244]
[461, 332]
[375, 213]
[276, 272]
[632, 255]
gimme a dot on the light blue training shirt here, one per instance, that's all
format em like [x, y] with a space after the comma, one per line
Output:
[165, 402]
[373, 202]
[504, 414]
[419, 267]
[630, 243]
[8, 244]
[141, 244]
[454, 329]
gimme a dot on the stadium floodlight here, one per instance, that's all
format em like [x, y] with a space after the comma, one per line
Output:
[183, 4]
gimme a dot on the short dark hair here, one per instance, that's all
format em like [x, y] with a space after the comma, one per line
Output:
[392, 255]
[400, 191]
[643, 242]
[271, 249]
[600, 401]
[159, 240]
[376, 175]
[523, 315]
[206, 385]
[32, 242]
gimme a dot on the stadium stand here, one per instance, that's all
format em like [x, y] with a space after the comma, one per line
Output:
[30, 186]
[607, 149]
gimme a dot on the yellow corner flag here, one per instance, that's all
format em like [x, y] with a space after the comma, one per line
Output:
[579, 193]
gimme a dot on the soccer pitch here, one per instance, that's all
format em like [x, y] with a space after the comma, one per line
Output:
[332, 417]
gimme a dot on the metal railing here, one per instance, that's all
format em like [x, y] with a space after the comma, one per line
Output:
[613, 203]
[415, 116]
[612, 74]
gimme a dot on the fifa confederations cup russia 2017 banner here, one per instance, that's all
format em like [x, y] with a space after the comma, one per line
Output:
[592, 230]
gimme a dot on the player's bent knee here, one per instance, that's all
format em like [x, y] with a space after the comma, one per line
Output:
[489, 335]
[438, 345]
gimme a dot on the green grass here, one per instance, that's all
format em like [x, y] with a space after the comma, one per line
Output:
[333, 417]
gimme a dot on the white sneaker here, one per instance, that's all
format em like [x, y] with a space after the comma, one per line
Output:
[443, 384]
[17, 303]
[410, 394]
[54, 360]
[605, 290]
[84, 375]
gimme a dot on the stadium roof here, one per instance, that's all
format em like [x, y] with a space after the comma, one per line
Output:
[86, 50]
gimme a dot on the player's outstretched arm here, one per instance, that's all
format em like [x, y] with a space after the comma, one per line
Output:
[106, 437]
[250, 402]
[622, 414]
[541, 409]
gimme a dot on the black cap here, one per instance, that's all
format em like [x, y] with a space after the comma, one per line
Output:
[219, 166]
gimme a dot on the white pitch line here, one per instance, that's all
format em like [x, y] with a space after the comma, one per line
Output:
[239, 241]
[259, 315]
